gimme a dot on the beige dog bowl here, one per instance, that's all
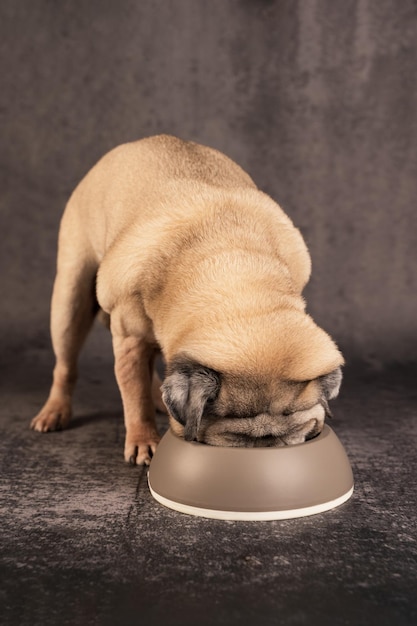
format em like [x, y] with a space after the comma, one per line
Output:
[251, 483]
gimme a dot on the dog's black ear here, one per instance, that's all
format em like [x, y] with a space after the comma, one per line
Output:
[330, 386]
[330, 383]
[186, 390]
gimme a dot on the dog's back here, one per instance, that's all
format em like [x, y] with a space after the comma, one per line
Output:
[132, 180]
[155, 202]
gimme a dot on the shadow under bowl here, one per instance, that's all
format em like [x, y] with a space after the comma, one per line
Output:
[251, 483]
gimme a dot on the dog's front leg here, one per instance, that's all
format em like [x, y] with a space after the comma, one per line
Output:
[134, 357]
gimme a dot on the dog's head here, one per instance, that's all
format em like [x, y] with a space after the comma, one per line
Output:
[266, 393]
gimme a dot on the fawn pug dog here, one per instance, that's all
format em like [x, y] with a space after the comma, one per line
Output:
[182, 252]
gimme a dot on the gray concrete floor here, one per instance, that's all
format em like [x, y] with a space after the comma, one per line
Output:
[83, 542]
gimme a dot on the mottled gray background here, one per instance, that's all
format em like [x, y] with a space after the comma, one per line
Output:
[317, 99]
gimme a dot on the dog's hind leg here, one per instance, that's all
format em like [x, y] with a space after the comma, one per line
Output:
[73, 309]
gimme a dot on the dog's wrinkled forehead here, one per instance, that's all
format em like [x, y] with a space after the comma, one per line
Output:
[190, 384]
[249, 395]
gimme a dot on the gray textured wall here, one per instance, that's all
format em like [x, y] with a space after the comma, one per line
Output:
[317, 99]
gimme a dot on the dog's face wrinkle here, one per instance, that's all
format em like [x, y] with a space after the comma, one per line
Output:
[262, 430]
[245, 441]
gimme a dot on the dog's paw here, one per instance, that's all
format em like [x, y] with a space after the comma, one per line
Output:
[140, 449]
[55, 415]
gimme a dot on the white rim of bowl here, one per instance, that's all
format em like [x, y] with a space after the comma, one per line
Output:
[250, 516]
